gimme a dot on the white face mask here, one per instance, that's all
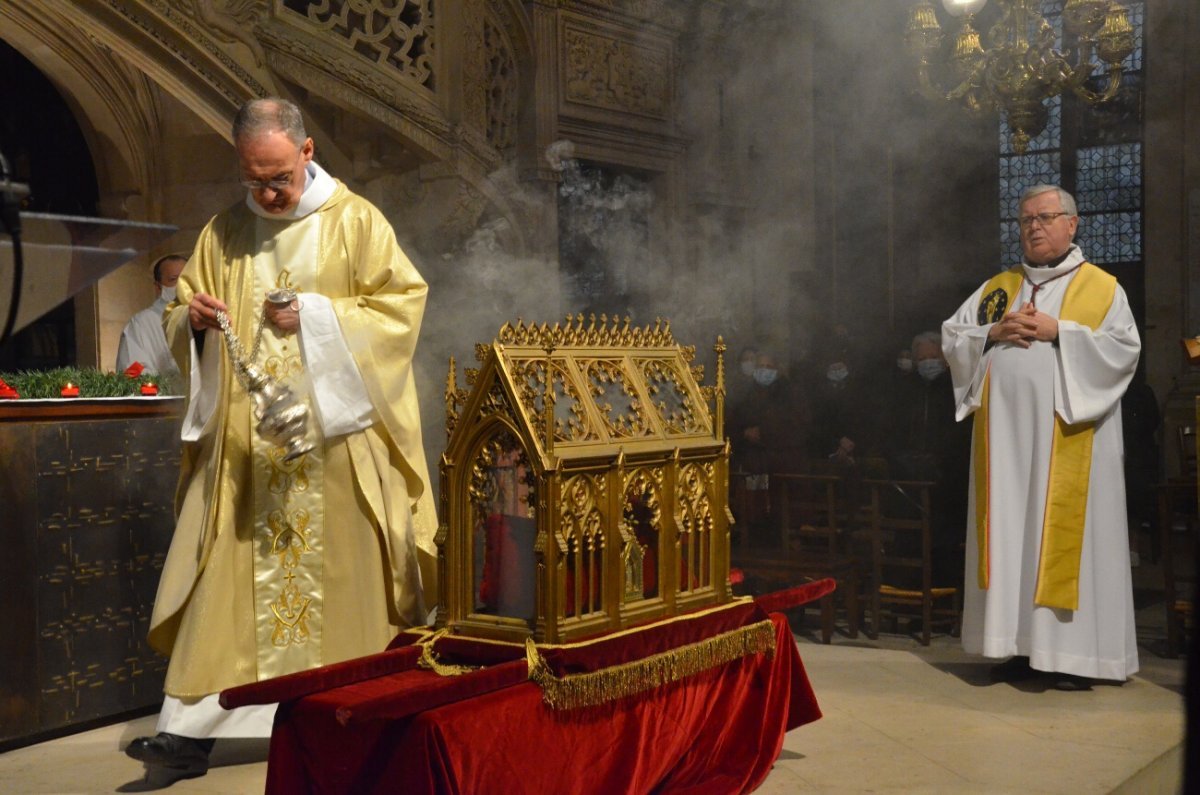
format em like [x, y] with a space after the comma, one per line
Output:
[168, 294]
[905, 365]
[748, 367]
[765, 376]
[837, 373]
[930, 368]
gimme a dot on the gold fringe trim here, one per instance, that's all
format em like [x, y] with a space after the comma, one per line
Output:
[429, 658]
[626, 679]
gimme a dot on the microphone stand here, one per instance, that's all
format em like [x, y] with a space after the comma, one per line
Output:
[11, 194]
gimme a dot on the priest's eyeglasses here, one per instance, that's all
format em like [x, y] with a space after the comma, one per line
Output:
[1026, 221]
[277, 184]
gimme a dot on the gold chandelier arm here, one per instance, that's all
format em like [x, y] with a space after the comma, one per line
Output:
[1110, 90]
[930, 90]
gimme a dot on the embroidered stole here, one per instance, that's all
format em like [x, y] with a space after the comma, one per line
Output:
[1087, 300]
[289, 508]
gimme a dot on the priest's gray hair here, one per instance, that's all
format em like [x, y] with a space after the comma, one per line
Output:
[1065, 199]
[261, 116]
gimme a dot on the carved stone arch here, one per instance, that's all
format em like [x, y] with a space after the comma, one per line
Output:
[114, 105]
[173, 44]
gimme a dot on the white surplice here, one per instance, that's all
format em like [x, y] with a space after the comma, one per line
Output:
[143, 341]
[1082, 378]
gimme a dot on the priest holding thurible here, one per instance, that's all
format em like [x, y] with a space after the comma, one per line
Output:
[1040, 356]
[279, 563]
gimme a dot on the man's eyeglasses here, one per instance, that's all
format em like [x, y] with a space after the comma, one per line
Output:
[1026, 221]
[274, 184]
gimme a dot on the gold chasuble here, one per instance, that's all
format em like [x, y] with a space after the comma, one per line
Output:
[1086, 302]
[279, 567]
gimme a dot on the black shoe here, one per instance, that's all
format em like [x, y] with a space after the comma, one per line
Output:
[1013, 669]
[184, 754]
[1071, 683]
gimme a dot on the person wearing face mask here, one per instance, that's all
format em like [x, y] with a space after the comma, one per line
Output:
[925, 404]
[926, 443]
[842, 407]
[740, 381]
[143, 340]
[766, 431]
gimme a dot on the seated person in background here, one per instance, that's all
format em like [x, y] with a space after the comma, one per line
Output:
[740, 381]
[766, 431]
[926, 443]
[143, 339]
[842, 416]
[767, 425]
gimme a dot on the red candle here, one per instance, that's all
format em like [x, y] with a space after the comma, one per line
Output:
[149, 389]
[70, 390]
[7, 392]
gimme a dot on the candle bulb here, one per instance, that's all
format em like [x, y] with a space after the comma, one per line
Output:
[70, 390]
[149, 389]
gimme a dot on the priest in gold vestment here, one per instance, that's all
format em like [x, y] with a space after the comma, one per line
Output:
[277, 566]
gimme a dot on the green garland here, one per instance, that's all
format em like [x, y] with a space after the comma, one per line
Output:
[42, 384]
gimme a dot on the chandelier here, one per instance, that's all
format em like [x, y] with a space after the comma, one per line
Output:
[1021, 68]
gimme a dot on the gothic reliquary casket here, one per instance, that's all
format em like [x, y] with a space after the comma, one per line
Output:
[584, 486]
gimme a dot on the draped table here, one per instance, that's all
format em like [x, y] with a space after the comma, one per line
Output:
[380, 724]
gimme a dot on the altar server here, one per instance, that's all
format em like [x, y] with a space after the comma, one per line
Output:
[142, 340]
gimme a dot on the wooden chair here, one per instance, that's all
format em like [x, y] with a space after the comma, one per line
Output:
[900, 535]
[807, 507]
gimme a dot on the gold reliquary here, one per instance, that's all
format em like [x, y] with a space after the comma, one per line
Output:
[584, 487]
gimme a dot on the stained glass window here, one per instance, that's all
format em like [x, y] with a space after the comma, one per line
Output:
[1111, 237]
[1020, 171]
[1108, 177]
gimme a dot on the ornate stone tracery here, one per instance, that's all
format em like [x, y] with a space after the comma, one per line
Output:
[395, 33]
[610, 72]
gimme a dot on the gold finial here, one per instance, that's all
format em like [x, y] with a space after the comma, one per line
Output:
[548, 395]
[719, 419]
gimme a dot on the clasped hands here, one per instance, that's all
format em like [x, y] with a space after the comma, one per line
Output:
[1020, 327]
[202, 313]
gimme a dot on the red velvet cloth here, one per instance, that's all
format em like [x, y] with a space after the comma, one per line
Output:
[420, 690]
[717, 732]
[327, 677]
[778, 601]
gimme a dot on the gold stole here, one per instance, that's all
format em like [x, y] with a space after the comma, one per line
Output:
[1087, 300]
[289, 511]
